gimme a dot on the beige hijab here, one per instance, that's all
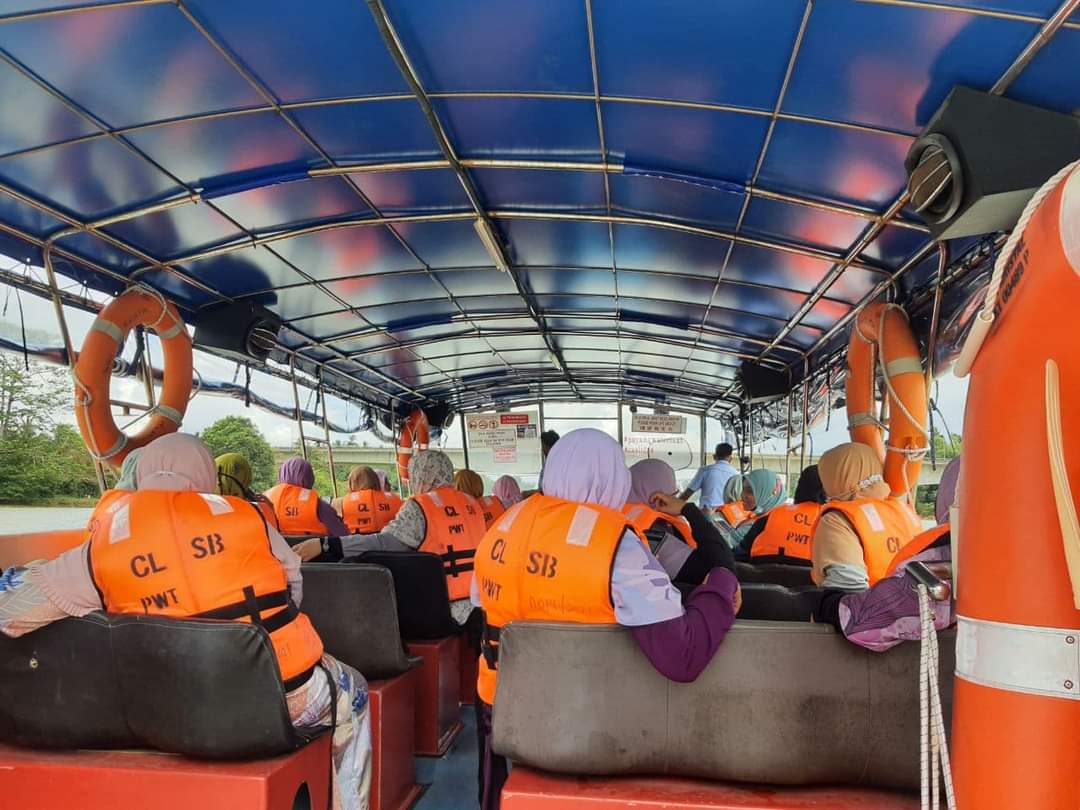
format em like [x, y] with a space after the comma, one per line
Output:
[851, 471]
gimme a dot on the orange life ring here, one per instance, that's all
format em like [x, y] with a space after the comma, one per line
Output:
[882, 338]
[1017, 688]
[414, 436]
[93, 372]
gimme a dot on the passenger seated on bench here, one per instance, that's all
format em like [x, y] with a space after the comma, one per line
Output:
[436, 519]
[888, 613]
[384, 485]
[507, 490]
[234, 479]
[366, 508]
[763, 490]
[137, 561]
[861, 528]
[732, 512]
[674, 540]
[569, 555]
[298, 507]
[471, 483]
[783, 534]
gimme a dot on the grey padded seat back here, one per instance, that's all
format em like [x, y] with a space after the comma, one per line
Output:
[790, 576]
[354, 609]
[780, 703]
[768, 602]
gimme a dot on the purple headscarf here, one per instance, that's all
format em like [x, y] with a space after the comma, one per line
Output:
[507, 490]
[384, 480]
[298, 472]
[587, 466]
[946, 492]
[649, 476]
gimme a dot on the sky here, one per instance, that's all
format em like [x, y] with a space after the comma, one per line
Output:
[204, 409]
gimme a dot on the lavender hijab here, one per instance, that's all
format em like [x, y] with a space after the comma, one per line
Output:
[507, 490]
[177, 462]
[946, 493]
[587, 466]
[298, 472]
[649, 476]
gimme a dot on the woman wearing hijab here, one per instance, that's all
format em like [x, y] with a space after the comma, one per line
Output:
[733, 512]
[298, 507]
[234, 479]
[888, 613]
[783, 535]
[365, 509]
[176, 480]
[472, 484]
[861, 528]
[673, 540]
[588, 565]
[437, 519]
[507, 490]
[391, 496]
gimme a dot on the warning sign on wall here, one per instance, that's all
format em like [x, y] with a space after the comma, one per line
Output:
[502, 443]
[658, 423]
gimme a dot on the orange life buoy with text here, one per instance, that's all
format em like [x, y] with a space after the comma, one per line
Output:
[414, 437]
[881, 338]
[93, 372]
[1017, 685]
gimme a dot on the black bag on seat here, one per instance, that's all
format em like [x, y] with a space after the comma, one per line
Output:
[422, 598]
[204, 688]
[355, 612]
[763, 600]
[791, 576]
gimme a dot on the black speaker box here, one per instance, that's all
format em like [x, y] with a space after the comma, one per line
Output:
[242, 330]
[762, 383]
[999, 152]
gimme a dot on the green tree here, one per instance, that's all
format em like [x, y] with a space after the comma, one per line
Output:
[238, 434]
[944, 448]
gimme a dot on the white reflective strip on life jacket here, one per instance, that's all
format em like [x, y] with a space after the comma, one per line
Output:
[217, 504]
[121, 501]
[1019, 658]
[581, 527]
[305, 496]
[507, 520]
[435, 499]
[120, 529]
[872, 516]
[632, 515]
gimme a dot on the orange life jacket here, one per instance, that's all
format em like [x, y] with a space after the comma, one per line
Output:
[884, 528]
[735, 513]
[642, 518]
[455, 527]
[187, 554]
[297, 510]
[366, 511]
[788, 532]
[491, 507]
[107, 503]
[918, 545]
[267, 510]
[545, 559]
[395, 503]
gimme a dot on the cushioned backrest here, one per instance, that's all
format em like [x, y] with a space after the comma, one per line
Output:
[762, 600]
[203, 688]
[422, 598]
[196, 687]
[355, 612]
[58, 688]
[791, 576]
[780, 703]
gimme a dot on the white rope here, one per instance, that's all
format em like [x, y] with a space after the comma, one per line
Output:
[933, 742]
[985, 319]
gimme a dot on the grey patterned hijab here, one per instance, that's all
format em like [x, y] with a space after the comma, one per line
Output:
[430, 469]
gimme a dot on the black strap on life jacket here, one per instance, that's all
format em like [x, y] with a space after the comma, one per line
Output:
[252, 607]
[450, 561]
[489, 645]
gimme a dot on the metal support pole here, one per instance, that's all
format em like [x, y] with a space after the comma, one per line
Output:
[787, 453]
[704, 416]
[750, 434]
[146, 370]
[296, 402]
[69, 347]
[394, 430]
[464, 441]
[329, 446]
[619, 432]
[805, 416]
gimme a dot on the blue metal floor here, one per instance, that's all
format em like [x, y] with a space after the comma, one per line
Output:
[451, 779]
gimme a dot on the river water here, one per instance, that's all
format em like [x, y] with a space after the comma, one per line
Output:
[20, 519]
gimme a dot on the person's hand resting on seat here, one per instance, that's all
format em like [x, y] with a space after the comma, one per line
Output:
[309, 549]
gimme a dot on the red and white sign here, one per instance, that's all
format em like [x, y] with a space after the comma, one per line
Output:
[504, 455]
[513, 418]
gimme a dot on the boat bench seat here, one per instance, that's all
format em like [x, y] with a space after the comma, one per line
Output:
[781, 703]
[791, 576]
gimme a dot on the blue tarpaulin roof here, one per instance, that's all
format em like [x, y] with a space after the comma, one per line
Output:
[671, 187]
